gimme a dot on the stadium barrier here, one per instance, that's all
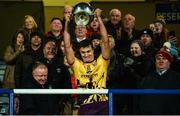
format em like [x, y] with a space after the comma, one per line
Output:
[110, 93]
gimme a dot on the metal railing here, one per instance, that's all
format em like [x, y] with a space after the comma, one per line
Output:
[110, 93]
[10, 92]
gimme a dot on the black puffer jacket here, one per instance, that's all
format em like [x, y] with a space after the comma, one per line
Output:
[37, 104]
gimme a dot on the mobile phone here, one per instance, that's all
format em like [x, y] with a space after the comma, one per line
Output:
[172, 33]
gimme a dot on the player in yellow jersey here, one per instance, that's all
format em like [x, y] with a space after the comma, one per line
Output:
[90, 72]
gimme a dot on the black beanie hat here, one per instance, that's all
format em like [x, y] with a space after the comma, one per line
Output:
[147, 31]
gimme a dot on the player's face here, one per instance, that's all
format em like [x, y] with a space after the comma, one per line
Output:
[87, 53]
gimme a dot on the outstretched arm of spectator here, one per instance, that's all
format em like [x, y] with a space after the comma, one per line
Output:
[67, 43]
[105, 47]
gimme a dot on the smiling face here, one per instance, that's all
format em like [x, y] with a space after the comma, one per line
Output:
[36, 40]
[135, 49]
[20, 39]
[87, 53]
[40, 74]
[56, 25]
[29, 22]
[49, 50]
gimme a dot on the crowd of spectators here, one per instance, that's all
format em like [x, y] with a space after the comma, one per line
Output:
[113, 54]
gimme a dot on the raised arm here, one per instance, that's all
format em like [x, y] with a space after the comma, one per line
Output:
[67, 43]
[105, 47]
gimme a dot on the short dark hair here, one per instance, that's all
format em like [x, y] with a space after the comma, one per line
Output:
[85, 43]
[55, 18]
[37, 32]
[48, 40]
